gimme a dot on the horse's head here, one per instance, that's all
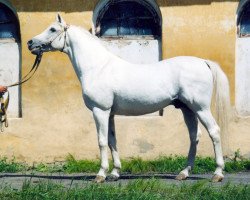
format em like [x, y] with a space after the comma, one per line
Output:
[52, 39]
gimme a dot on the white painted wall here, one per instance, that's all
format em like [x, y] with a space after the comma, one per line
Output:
[141, 51]
[9, 73]
[242, 78]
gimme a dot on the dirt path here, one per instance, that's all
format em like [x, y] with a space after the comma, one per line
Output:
[73, 180]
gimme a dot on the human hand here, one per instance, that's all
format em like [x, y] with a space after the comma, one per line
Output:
[3, 89]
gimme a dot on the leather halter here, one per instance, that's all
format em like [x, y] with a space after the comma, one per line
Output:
[64, 30]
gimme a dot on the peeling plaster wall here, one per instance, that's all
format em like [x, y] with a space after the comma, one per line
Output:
[55, 121]
[140, 51]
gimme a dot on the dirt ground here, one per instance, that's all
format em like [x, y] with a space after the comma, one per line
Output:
[77, 180]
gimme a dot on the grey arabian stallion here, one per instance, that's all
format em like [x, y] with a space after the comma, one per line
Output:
[112, 86]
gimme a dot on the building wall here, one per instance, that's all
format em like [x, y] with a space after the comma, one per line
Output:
[55, 120]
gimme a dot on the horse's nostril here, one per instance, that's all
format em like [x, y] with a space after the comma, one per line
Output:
[30, 42]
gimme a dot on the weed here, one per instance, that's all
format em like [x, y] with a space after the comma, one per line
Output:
[76, 166]
[10, 166]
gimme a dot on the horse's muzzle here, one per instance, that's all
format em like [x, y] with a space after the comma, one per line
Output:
[35, 49]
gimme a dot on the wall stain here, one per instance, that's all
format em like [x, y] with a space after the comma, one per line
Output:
[143, 145]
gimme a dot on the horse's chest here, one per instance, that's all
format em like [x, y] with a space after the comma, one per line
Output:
[97, 97]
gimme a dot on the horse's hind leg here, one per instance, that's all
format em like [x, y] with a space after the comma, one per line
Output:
[112, 145]
[191, 121]
[213, 129]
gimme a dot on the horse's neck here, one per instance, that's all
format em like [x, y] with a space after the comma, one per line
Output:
[85, 52]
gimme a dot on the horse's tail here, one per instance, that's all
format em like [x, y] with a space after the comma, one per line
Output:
[222, 101]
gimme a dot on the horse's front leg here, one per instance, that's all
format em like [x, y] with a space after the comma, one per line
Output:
[102, 123]
[112, 145]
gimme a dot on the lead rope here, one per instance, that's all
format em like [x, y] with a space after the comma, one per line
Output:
[5, 103]
[39, 58]
[30, 73]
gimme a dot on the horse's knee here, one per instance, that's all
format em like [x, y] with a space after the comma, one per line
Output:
[102, 142]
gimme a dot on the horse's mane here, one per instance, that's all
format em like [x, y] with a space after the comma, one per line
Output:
[93, 38]
[86, 32]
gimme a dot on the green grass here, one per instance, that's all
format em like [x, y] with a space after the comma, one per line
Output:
[10, 166]
[133, 190]
[163, 164]
[167, 164]
[76, 166]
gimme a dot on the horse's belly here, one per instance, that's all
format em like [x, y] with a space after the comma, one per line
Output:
[134, 107]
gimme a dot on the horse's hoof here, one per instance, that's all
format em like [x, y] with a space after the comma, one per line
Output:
[181, 176]
[113, 178]
[99, 179]
[217, 178]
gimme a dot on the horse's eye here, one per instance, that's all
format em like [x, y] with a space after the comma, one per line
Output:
[53, 30]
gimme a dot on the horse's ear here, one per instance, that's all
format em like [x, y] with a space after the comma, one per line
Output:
[60, 19]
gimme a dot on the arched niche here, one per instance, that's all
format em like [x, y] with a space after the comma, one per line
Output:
[131, 29]
[10, 55]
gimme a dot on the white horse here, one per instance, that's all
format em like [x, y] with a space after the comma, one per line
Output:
[112, 86]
